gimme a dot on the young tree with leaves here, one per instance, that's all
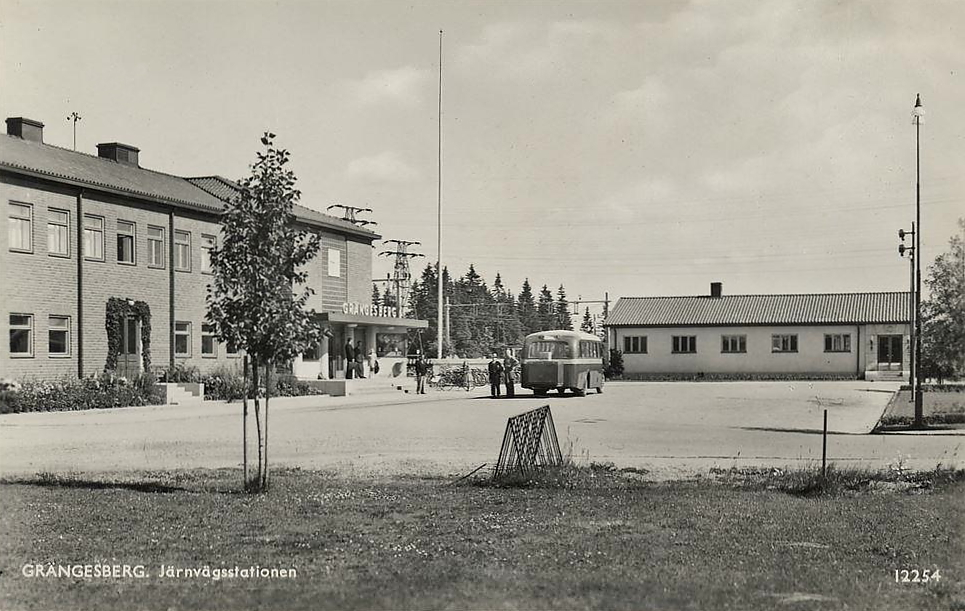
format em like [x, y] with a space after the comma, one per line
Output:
[943, 314]
[258, 296]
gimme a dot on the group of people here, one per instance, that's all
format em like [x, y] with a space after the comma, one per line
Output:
[500, 372]
[503, 372]
[355, 361]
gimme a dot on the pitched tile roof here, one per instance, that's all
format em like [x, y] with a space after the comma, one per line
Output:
[226, 190]
[729, 310]
[208, 193]
[64, 165]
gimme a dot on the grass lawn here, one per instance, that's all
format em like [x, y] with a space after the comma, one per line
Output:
[937, 408]
[604, 540]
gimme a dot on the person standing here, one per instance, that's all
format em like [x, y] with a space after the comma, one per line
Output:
[510, 363]
[495, 375]
[421, 369]
[359, 360]
[349, 359]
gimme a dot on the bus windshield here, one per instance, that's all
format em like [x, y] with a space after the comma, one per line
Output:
[548, 350]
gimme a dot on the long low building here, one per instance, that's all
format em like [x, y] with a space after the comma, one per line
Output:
[821, 335]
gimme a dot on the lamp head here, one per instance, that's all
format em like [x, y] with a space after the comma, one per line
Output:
[901, 234]
[918, 115]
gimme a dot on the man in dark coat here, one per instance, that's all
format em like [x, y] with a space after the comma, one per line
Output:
[349, 359]
[495, 375]
[421, 369]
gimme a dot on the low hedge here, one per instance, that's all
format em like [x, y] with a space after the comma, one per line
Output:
[102, 391]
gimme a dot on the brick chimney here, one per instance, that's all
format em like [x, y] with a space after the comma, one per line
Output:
[28, 129]
[716, 289]
[121, 153]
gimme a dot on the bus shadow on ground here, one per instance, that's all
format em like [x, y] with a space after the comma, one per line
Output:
[530, 397]
[772, 429]
[54, 481]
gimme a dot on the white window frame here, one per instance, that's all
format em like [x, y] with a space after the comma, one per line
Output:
[334, 263]
[178, 243]
[840, 342]
[206, 248]
[186, 333]
[95, 233]
[29, 328]
[640, 341]
[15, 220]
[679, 342]
[784, 343]
[58, 225]
[151, 243]
[132, 234]
[733, 344]
[65, 330]
[214, 342]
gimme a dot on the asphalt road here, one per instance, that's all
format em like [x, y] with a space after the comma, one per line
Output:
[671, 429]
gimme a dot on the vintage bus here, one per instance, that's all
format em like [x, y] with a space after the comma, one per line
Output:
[562, 360]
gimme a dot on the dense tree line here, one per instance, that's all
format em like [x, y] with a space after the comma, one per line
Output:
[481, 318]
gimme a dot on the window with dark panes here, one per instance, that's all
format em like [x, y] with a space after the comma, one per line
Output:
[182, 339]
[58, 336]
[125, 242]
[21, 335]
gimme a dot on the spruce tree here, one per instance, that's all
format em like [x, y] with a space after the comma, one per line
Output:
[563, 320]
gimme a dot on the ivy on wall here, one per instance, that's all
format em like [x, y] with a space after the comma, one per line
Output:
[117, 310]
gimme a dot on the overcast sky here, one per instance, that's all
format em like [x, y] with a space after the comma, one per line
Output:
[639, 148]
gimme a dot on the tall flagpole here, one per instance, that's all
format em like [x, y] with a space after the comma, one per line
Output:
[439, 352]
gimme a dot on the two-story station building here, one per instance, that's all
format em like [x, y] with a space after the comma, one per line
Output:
[80, 230]
[846, 335]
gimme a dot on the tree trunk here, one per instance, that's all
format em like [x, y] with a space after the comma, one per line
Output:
[244, 424]
[264, 473]
[254, 370]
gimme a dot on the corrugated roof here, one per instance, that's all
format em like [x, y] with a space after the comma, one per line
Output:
[66, 165]
[805, 309]
[207, 193]
[227, 190]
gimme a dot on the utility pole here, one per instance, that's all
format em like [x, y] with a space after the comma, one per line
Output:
[402, 276]
[439, 351]
[918, 118]
[73, 116]
[350, 214]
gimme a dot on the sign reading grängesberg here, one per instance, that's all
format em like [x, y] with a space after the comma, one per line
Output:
[367, 309]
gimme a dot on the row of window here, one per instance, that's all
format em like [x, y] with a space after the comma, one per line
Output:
[21, 335]
[21, 221]
[736, 344]
[59, 344]
[58, 239]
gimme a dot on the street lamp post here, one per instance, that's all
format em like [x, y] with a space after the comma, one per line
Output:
[918, 119]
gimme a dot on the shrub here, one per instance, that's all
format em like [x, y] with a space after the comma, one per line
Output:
[614, 365]
[102, 391]
[179, 373]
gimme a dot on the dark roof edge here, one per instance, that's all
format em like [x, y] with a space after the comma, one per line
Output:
[728, 296]
[758, 324]
[359, 231]
[96, 186]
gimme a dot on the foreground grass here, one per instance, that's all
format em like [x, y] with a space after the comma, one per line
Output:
[601, 540]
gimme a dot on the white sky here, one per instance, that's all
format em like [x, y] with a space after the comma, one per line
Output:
[640, 148]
